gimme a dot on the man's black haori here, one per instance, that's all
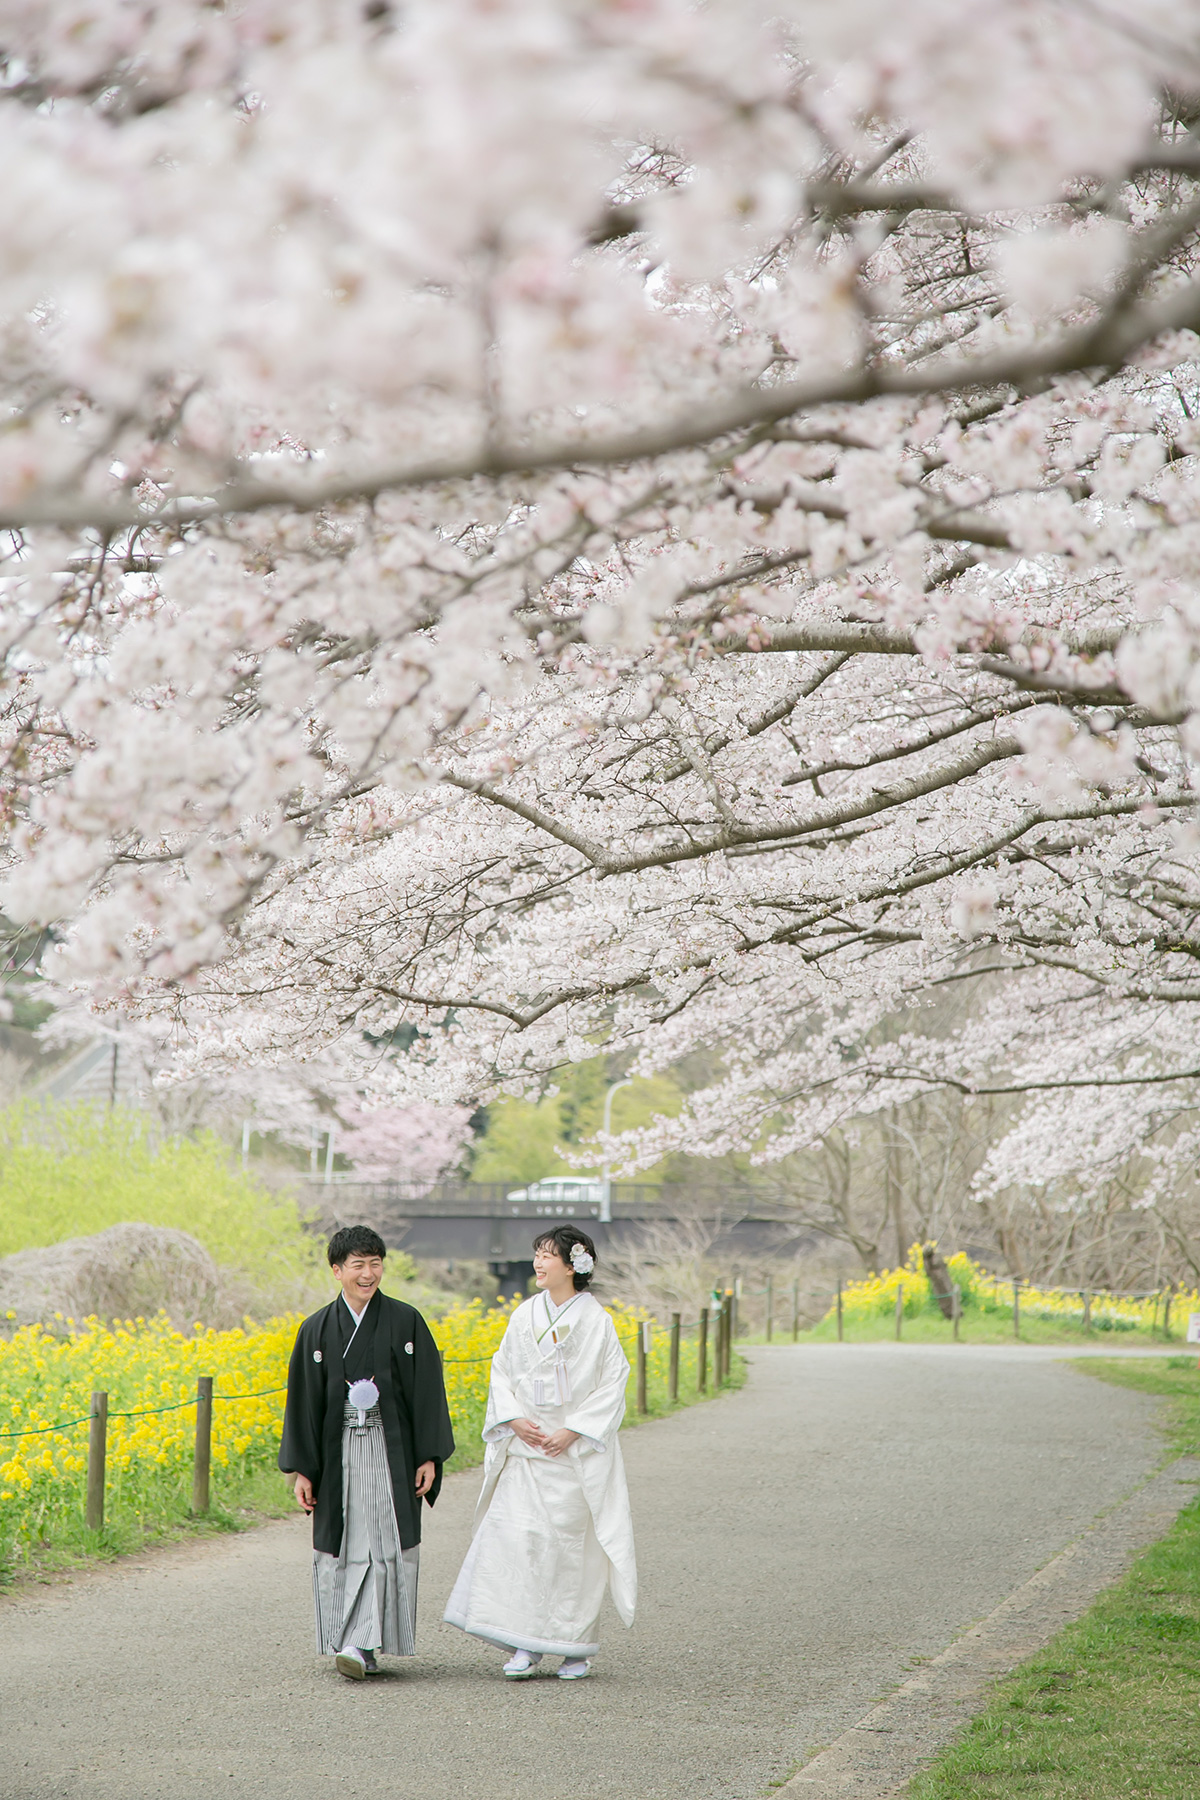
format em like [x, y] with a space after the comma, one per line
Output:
[394, 1348]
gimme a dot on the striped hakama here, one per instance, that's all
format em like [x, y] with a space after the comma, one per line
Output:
[366, 1595]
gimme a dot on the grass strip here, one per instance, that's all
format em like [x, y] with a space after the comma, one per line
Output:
[1109, 1709]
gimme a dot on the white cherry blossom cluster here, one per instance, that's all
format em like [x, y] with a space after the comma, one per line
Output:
[550, 523]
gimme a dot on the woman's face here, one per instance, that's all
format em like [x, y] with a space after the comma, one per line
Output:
[549, 1266]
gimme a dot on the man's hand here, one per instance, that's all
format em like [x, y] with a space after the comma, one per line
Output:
[425, 1475]
[528, 1432]
[303, 1491]
[557, 1441]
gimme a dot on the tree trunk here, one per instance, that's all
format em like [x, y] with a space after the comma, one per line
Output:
[895, 1196]
[939, 1278]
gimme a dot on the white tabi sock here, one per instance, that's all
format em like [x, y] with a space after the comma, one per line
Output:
[520, 1660]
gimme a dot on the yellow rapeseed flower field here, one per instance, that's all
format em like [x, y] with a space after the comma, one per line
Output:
[875, 1297]
[149, 1371]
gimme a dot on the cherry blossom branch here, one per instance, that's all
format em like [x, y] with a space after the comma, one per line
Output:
[1118, 332]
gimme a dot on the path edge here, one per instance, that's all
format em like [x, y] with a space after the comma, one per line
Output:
[876, 1758]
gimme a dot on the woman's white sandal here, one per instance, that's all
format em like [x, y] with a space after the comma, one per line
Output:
[574, 1670]
[520, 1665]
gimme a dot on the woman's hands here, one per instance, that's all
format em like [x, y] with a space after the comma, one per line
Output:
[555, 1442]
[551, 1443]
[529, 1433]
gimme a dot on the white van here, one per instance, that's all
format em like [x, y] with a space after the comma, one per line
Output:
[561, 1195]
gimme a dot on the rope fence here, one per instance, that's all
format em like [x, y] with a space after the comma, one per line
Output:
[716, 1324]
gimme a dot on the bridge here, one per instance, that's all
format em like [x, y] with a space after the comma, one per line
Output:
[477, 1222]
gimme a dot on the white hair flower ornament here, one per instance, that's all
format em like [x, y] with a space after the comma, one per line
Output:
[581, 1262]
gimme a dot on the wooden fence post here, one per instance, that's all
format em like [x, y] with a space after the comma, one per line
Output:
[673, 1372]
[795, 1311]
[1087, 1309]
[643, 1334]
[956, 1309]
[97, 1457]
[770, 1307]
[841, 1325]
[702, 1353]
[899, 1312]
[202, 1461]
[1167, 1314]
[1016, 1306]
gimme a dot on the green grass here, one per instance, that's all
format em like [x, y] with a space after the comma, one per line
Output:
[260, 1495]
[1175, 1378]
[1110, 1710]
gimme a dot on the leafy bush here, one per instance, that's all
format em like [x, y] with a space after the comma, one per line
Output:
[70, 1171]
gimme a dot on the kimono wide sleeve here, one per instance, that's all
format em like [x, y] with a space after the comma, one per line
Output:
[503, 1404]
[597, 1412]
[301, 1450]
[433, 1435]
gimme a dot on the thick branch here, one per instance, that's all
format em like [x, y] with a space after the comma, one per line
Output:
[1102, 344]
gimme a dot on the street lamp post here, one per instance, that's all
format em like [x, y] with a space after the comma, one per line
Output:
[605, 1183]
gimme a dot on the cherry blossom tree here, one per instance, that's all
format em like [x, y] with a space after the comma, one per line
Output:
[557, 524]
[416, 1144]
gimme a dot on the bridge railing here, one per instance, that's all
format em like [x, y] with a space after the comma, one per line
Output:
[475, 1198]
[344, 1198]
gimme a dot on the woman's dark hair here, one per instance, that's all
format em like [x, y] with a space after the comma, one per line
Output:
[354, 1240]
[562, 1239]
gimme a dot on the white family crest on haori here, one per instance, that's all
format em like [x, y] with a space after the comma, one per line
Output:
[551, 1533]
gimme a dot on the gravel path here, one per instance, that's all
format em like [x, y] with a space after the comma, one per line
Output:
[801, 1542]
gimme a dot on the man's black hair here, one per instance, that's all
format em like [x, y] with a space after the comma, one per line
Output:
[563, 1239]
[354, 1240]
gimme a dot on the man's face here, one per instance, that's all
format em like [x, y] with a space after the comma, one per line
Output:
[359, 1276]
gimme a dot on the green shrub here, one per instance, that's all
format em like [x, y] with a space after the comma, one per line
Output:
[70, 1171]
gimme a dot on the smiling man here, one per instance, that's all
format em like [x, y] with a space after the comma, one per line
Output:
[365, 1434]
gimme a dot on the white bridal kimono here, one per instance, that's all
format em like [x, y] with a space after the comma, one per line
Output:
[551, 1533]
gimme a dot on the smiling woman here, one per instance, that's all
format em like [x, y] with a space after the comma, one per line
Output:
[554, 1527]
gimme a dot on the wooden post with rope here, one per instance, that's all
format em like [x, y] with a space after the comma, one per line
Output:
[673, 1369]
[202, 1459]
[702, 1353]
[97, 1459]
